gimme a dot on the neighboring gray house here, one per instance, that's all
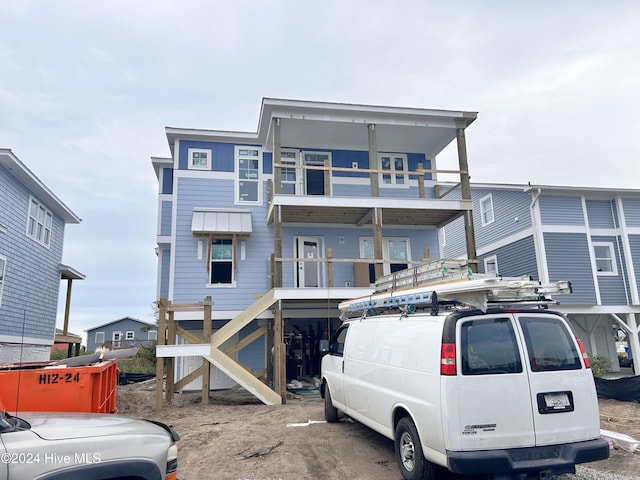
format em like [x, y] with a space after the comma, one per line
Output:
[32, 223]
[589, 236]
[123, 333]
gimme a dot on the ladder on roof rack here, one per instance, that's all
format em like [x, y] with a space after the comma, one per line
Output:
[430, 272]
[477, 292]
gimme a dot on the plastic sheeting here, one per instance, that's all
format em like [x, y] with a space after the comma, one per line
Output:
[626, 389]
[15, 352]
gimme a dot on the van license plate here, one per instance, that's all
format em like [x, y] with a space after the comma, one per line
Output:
[555, 402]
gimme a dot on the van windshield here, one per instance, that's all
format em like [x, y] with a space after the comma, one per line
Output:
[549, 345]
[488, 346]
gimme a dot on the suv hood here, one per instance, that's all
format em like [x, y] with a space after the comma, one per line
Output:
[60, 426]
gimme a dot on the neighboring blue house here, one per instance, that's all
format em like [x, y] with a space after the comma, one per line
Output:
[589, 236]
[32, 223]
[122, 333]
[281, 224]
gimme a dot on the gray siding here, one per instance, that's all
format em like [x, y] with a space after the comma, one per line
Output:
[165, 218]
[455, 240]
[561, 210]
[614, 290]
[32, 277]
[601, 213]
[508, 205]
[634, 242]
[515, 259]
[165, 259]
[631, 208]
[568, 259]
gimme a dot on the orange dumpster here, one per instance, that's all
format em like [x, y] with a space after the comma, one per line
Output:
[90, 388]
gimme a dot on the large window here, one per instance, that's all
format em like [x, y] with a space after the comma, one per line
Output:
[221, 267]
[39, 223]
[199, 159]
[605, 258]
[549, 345]
[3, 265]
[393, 163]
[486, 210]
[396, 250]
[99, 339]
[489, 346]
[248, 167]
[289, 176]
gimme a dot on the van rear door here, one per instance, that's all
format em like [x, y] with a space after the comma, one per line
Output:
[563, 397]
[490, 394]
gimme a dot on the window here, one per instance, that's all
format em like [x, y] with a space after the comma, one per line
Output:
[491, 264]
[99, 339]
[488, 346]
[605, 258]
[221, 261]
[288, 176]
[337, 345]
[3, 265]
[116, 338]
[394, 249]
[152, 335]
[486, 210]
[549, 345]
[248, 167]
[393, 163]
[199, 159]
[39, 223]
[130, 335]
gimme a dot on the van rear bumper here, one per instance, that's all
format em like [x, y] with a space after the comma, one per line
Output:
[555, 459]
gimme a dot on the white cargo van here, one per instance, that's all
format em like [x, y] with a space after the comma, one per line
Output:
[500, 391]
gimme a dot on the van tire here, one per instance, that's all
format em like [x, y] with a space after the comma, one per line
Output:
[409, 456]
[330, 412]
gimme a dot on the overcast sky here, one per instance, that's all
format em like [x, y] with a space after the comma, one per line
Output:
[87, 87]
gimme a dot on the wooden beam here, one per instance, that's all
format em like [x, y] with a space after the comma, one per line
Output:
[373, 161]
[247, 340]
[190, 337]
[276, 156]
[206, 332]
[329, 268]
[377, 241]
[184, 381]
[162, 313]
[67, 307]
[421, 192]
[171, 361]
[277, 245]
[465, 188]
[327, 178]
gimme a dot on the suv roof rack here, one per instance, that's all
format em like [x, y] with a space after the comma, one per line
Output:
[471, 289]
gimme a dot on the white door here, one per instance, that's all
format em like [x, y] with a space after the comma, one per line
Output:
[308, 273]
[218, 380]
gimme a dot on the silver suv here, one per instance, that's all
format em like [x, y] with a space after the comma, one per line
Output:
[70, 446]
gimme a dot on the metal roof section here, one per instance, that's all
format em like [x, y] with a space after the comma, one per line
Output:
[25, 176]
[217, 220]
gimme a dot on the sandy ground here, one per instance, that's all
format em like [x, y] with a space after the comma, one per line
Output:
[236, 437]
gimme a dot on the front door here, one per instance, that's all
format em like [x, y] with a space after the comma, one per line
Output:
[308, 272]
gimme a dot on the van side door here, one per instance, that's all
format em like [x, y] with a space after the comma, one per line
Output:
[333, 367]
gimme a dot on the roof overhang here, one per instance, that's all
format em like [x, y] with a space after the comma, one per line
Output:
[343, 126]
[25, 176]
[207, 221]
[69, 273]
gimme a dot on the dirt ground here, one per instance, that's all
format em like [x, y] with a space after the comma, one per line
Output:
[235, 437]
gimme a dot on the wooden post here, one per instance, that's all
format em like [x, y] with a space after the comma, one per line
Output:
[279, 353]
[67, 306]
[465, 188]
[270, 354]
[329, 268]
[277, 246]
[277, 171]
[206, 366]
[377, 241]
[373, 161]
[162, 312]
[327, 178]
[421, 193]
[171, 361]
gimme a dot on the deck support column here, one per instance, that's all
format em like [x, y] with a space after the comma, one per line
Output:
[279, 354]
[162, 315]
[277, 176]
[373, 161]
[206, 365]
[465, 188]
[377, 241]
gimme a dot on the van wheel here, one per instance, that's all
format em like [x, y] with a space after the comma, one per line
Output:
[409, 456]
[330, 412]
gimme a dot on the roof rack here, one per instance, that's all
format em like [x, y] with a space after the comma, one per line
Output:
[476, 290]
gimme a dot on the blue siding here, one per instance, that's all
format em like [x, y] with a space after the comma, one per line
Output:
[568, 259]
[222, 154]
[614, 290]
[508, 205]
[634, 243]
[601, 213]
[561, 210]
[631, 208]
[32, 276]
[167, 181]
[515, 259]
[165, 218]
[253, 355]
